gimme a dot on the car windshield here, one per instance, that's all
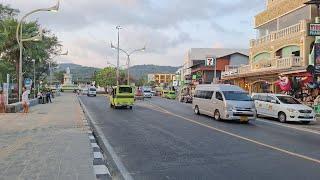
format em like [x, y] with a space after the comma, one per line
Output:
[92, 89]
[288, 100]
[147, 91]
[236, 96]
[172, 93]
[125, 90]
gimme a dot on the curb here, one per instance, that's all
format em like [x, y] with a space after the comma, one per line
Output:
[119, 171]
[99, 163]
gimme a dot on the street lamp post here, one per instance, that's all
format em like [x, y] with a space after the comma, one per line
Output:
[36, 38]
[128, 59]
[118, 54]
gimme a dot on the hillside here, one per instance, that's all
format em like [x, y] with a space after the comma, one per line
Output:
[81, 73]
[84, 73]
[142, 70]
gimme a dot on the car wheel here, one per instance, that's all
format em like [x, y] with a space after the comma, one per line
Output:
[217, 115]
[111, 105]
[196, 110]
[305, 122]
[282, 117]
[130, 107]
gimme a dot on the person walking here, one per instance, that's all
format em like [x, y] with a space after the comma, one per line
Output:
[2, 102]
[25, 100]
[48, 95]
[39, 95]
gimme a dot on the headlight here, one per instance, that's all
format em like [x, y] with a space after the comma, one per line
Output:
[230, 108]
[291, 110]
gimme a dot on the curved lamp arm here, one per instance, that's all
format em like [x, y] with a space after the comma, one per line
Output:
[19, 27]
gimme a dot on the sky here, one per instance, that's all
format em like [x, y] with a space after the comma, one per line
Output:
[168, 28]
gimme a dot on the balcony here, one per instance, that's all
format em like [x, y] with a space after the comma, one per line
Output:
[278, 35]
[268, 65]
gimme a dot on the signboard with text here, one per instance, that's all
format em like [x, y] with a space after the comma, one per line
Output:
[314, 29]
[317, 58]
[210, 61]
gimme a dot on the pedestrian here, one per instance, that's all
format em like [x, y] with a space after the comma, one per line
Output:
[48, 95]
[25, 100]
[2, 102]
[39, 95]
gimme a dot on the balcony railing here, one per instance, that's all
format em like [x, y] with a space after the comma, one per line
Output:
[264, 65]
[275, 35]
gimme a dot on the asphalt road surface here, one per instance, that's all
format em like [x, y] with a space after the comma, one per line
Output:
[164, 139]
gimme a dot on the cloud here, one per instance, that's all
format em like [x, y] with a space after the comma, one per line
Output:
[167, 27]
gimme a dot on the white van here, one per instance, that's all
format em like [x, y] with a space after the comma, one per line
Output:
[92, 91]
[283, 107]
[224, 101]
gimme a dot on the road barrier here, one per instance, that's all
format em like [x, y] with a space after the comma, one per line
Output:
[17, 107]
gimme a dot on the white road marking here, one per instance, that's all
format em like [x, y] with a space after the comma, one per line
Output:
[238, 136]
[101, 170]
[123, 170]
[289, 126]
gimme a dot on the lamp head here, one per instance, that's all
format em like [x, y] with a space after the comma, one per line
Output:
[55, 8]
[33, 60]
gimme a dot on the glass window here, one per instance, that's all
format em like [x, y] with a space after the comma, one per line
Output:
[125, 90]
[237, 96]
[92, 89]
[263, 98]
[269, 99]
[288, 100]
[219, 96]
[209, 94]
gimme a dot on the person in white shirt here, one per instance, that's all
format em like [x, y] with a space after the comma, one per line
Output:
[25, 100]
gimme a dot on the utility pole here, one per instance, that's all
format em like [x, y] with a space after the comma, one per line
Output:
[118, 55]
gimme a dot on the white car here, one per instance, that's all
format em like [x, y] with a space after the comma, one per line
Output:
[92, 91]
[283, 107]
[147, 94]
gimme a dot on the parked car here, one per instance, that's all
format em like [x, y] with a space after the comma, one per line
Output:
[283, 107]
[223, 101]
[92, 91]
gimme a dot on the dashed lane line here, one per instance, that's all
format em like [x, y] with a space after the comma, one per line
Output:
[237, 136]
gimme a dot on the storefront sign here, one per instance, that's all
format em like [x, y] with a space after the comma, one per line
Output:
[314, 29]
[210, 61]
[317, 58]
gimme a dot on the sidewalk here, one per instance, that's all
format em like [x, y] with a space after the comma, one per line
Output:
[51, 142]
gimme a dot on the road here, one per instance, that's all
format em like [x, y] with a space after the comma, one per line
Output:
[164, 139]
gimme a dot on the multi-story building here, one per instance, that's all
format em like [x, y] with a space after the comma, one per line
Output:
[161, 78]
[282, 46]
[195, 68]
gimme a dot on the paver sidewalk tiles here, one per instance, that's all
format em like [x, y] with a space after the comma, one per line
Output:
[57, 148]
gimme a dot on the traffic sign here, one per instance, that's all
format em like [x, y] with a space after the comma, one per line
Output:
[28, 82]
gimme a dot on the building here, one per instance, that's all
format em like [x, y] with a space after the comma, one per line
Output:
[282, 46]
[196, 71]
[161, 78]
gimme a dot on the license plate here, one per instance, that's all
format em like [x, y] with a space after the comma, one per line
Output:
[243, 118]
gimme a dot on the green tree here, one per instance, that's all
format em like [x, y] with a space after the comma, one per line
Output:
[59, 76]
[106, 77]
[142, 81]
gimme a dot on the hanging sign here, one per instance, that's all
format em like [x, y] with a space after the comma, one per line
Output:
[314, 29]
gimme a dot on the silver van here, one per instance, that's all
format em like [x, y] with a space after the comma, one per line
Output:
[224, 101]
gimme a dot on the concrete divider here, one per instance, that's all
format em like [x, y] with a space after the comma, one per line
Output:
[17, 107]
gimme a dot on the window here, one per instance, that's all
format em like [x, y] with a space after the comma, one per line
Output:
[125, 90]
[237, 96]
[219, 96]
[256, 97]
[288, 100]
[203, 94]
[269, 99]
[92, 89]
[263, 98]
